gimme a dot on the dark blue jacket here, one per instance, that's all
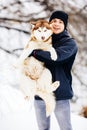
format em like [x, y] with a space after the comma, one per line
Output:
[66, 49]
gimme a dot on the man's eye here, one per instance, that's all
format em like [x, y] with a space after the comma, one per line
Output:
[54, 21]
[60, 22]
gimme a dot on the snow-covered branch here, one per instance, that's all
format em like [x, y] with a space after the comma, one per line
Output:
[20, 30]
[11, 52]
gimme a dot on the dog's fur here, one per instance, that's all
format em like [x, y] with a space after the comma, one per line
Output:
[36, 79]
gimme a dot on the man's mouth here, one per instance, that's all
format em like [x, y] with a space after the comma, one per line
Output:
[56, 28]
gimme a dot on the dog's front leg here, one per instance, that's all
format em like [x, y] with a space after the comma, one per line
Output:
[24, 55]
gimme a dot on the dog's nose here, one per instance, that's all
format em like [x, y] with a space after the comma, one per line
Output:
[42, 37]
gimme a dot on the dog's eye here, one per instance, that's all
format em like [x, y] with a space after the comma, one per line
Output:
[39, 30]
[45, 30]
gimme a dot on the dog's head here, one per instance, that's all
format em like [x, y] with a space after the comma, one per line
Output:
[41, 30]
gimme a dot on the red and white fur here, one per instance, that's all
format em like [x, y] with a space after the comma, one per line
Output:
[36, 79]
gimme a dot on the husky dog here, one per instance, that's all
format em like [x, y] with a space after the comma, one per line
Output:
[36, 79]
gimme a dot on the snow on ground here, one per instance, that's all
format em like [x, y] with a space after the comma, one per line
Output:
[17, 113]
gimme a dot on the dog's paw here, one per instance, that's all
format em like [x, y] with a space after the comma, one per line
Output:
[54, 56]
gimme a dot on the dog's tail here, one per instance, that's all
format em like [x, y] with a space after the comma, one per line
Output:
[50, 104]
[49, 100]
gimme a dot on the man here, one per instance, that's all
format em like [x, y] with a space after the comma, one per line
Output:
[66, 49]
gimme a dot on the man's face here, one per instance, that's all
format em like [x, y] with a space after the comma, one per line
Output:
[57, 26]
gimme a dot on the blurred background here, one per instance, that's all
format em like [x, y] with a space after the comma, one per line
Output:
[15, 30]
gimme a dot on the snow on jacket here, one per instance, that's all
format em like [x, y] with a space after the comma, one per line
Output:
[66, 49]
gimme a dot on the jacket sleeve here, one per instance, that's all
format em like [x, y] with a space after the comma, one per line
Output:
[64, 53]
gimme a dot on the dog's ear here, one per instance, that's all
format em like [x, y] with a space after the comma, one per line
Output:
[32, 24]
[50, 24]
